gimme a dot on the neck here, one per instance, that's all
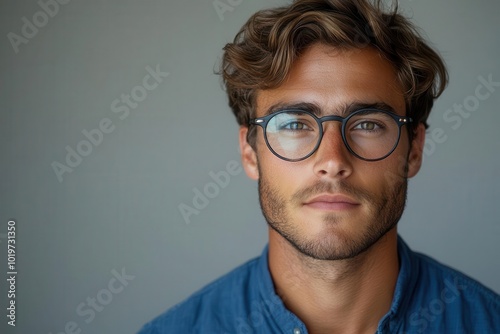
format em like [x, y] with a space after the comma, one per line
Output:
[343, 296]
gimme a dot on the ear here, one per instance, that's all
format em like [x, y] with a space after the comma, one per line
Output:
[248, 155]
[415, 156]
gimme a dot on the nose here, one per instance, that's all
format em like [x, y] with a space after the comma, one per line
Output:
[332, 159]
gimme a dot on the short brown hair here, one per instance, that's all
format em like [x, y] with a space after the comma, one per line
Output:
[266, 47]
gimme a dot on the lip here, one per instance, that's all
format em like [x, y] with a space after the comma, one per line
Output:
[333, 202]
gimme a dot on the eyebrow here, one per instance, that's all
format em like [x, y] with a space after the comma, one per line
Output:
[344, 110]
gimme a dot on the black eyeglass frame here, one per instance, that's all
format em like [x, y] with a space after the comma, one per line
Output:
[263, 121]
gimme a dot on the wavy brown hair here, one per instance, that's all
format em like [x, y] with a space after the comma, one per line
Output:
[265, 48]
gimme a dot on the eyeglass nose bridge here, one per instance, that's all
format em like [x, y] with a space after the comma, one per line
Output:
[329, 118]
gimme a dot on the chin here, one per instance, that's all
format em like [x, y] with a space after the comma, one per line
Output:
[332, 242]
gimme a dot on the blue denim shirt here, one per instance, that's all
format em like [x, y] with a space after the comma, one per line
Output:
[429, 298]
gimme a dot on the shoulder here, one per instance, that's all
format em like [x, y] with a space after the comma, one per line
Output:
[445, 276]
[443, 292]
[209, 309]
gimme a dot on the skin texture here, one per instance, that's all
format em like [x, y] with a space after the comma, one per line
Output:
[334, 262]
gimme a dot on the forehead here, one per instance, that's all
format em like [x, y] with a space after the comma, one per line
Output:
[331, 79]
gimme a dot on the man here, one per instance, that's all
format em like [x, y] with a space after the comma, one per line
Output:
[332, 98]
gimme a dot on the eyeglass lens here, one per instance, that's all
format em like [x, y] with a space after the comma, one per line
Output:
[370, 134]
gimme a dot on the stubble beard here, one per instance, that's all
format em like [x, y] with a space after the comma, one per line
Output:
[386, 210]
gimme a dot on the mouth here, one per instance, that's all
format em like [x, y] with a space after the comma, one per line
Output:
[332, 202]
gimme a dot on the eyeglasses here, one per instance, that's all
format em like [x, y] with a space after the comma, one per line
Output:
[294, 134]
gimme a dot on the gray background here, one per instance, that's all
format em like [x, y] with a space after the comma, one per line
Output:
[119, 207]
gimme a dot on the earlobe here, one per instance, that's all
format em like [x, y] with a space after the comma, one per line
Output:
[416, 152]
[248, 156]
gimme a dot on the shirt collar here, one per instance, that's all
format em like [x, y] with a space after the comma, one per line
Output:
[405, 285]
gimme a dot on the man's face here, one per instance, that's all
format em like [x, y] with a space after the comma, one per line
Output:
[333, 205]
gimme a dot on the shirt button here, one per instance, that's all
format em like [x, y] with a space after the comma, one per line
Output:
[296, 330]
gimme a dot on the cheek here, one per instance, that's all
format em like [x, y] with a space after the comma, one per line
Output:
[384, 175]
[395, 167]
[283, 176]
[381, 176]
